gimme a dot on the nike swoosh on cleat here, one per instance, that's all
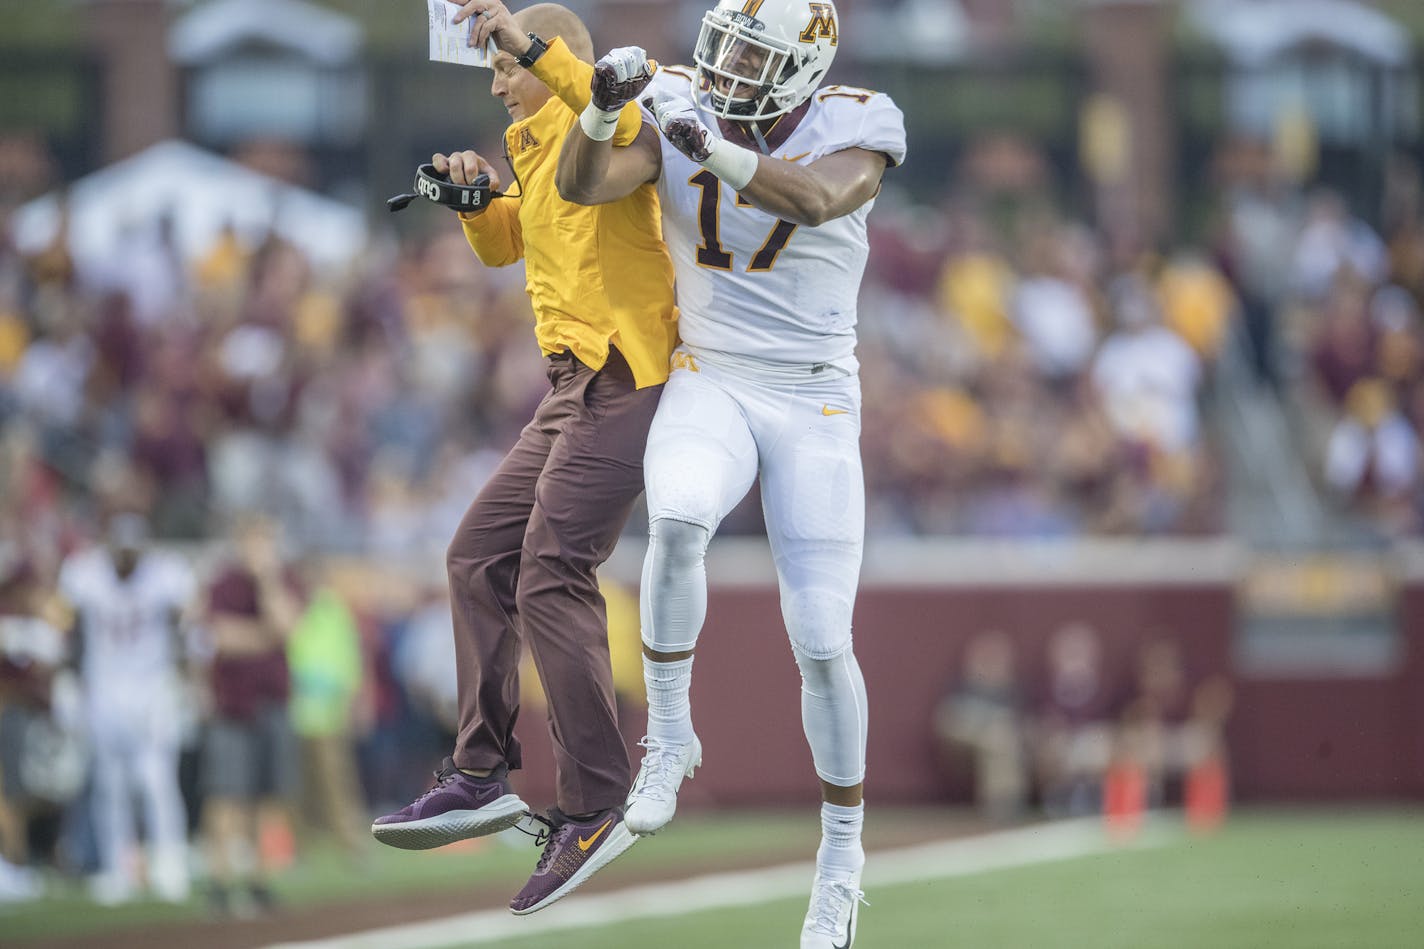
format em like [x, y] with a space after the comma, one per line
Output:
[827, 411]
[585, 844]
[850, 928]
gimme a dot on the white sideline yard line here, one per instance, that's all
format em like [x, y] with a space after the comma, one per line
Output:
[1042, 843]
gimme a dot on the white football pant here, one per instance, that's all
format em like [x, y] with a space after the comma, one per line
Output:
[136, 749]
[720, 425]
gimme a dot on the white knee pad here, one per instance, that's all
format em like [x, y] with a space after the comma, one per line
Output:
[674, 595]
[818, 621]
[834, 714]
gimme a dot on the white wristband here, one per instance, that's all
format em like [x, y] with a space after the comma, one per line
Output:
[597, 124]
[734, 164]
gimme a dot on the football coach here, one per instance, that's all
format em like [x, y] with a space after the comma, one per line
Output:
[522, 563]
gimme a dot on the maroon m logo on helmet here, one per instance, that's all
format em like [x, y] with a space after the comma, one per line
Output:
[822, 25]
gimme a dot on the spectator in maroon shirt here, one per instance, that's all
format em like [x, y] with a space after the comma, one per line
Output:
[1074, 730]
[1344, 349]
[249, 769]
[169, 449]
[31, 649]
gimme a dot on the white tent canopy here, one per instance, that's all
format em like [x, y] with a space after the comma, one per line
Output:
[1255, 32]
[214, 28]
[201, 193]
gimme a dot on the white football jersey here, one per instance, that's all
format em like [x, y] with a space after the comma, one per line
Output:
[127, 624]
[748, 283]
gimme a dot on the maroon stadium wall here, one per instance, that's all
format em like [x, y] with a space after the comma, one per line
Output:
[1411, 685]
[1333, 735]
[1290, 738]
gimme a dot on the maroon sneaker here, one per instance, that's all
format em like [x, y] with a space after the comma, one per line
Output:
[575, 851]
[457, 807]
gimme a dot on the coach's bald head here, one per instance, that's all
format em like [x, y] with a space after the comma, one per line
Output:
[548, 20]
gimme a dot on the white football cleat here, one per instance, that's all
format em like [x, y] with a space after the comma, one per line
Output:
[830, 921]
[109, 888]
[168, 876]
[19, 884]
[653, 799]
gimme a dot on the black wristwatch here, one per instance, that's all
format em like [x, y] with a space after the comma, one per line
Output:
[537, 48]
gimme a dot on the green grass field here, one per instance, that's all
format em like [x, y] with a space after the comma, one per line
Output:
[325, 876]
[1268, 879]
[1316, 879]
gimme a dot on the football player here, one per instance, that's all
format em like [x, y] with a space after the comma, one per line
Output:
[128, 601]
[766, 179]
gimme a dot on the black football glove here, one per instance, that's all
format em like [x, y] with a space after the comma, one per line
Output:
[619, 77]
[682, 126]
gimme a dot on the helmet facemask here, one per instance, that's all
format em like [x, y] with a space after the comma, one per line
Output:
[744, 69]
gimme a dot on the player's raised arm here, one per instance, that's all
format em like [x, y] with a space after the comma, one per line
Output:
[810, 195]
[591, 169]
[822, 191]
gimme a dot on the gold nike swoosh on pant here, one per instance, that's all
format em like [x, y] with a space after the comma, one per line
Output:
[585, 844]
[827, 411]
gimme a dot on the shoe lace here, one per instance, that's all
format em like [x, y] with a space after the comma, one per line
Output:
[552, 840]
[543, 828]
[659, 770]
[831, 899]
[444, 776]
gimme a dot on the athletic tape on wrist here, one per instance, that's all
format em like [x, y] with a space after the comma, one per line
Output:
[734, 164]
[597, 124]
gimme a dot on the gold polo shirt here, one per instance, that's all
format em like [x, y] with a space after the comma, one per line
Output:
[596, 275]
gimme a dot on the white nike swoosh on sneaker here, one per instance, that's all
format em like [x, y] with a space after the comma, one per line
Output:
[850, 928]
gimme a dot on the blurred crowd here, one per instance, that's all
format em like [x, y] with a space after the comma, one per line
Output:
[1029, 375]
[1352, 348]
[358, 407]
[1073, 733]
[1020, 381]
[1026, 375]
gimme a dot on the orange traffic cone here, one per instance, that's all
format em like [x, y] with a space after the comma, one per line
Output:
[276, 841]
[1206, 795]
[1124, 799]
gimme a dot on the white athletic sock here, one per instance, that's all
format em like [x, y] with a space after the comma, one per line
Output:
[840, 854]
[669, 702]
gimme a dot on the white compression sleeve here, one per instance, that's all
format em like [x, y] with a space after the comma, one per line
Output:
[674, 594]
[833, 713]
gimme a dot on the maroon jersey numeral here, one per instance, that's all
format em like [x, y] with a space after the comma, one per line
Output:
[711, 253]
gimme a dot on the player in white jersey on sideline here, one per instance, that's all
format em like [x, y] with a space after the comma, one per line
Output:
[766, 180]
[127, 602]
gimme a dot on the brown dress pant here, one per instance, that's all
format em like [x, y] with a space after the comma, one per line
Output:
[522, 570]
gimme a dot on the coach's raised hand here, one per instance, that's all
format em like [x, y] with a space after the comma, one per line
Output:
[495, 21]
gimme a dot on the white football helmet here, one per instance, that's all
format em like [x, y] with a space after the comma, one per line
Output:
[763, 58]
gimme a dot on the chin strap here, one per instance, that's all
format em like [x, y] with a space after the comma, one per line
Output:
[760, 138]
